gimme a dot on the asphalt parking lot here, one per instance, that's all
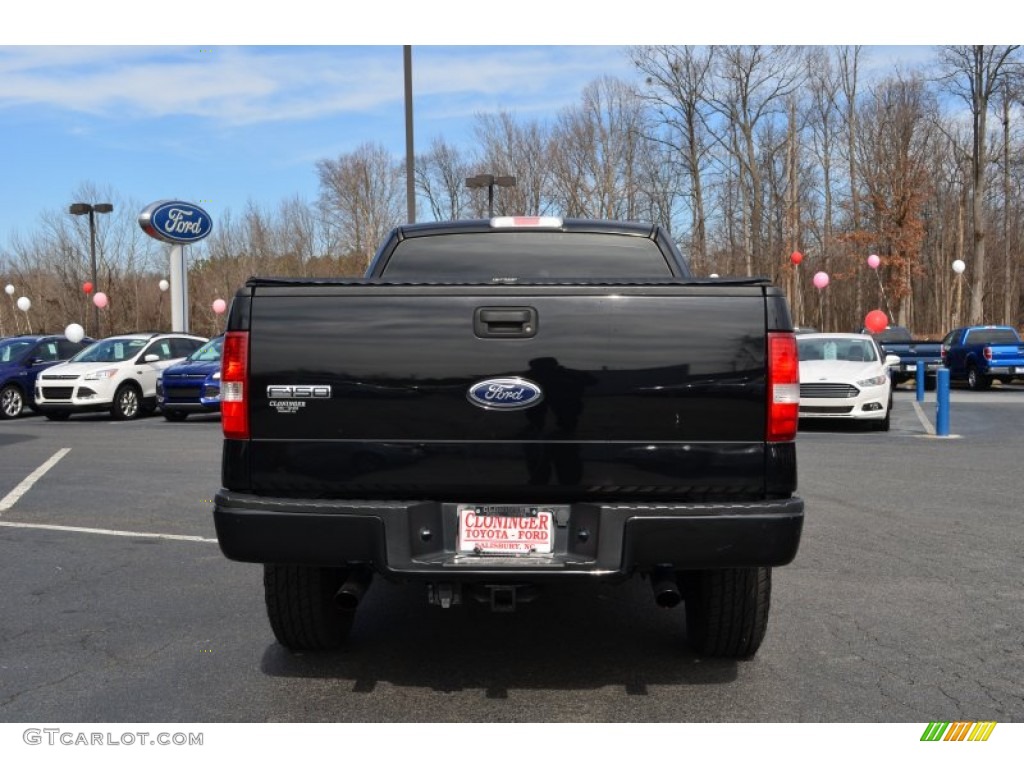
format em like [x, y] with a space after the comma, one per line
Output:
[905, 602]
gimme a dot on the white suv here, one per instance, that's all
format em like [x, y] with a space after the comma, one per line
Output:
[118, 374]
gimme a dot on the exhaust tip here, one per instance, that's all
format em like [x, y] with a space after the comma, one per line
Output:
[668, 598]
[346, 601]
[666, 588]
[350, 594]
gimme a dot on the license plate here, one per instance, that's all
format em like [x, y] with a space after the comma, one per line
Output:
[911, 366]
[506, 530]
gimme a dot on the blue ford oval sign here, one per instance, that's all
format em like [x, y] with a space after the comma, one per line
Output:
[174, 221]
[505, 394]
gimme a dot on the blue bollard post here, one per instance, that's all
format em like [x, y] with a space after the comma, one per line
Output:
[919, 380]
[942, 402]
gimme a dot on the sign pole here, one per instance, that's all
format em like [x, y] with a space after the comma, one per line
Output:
[179, 290]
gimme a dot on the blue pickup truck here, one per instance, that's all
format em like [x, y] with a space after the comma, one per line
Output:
[981, 354]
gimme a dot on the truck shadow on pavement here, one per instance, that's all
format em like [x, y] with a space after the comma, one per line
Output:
[573, 637]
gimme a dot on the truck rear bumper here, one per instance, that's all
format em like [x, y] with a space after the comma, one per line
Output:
[411, 539]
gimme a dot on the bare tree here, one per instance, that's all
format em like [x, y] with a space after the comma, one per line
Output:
[677, 80]
[975, 73]
[508, 148]
[365, 192]
[441, 178]
[752, 85]
[596, 154]
[824, 84]
[897, 127]
[848, 58]
[1006, 98]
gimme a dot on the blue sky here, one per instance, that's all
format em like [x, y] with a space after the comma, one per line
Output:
[219, 125]
[245, 117]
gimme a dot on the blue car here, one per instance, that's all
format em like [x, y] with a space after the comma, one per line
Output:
[193, 385]
[21, 360]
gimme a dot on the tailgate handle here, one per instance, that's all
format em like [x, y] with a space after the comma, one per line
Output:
[505, 322]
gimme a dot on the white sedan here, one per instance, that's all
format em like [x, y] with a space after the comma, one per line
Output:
[845, 376]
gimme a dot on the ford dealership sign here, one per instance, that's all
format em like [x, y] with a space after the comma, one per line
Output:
[174, 221]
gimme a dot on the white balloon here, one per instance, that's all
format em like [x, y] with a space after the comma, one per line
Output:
[9, 289]
[164, 285]
[74, 333]
[714, 274]
[24, 304]
[959, 266]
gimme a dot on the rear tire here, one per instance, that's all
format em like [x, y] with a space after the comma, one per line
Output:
[301, 608]
[975, 380]
[726, 610]
[12, 402]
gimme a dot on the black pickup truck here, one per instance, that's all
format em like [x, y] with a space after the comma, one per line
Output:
[507, 403]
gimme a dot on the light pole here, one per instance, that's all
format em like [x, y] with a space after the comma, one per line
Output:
[410, 164]
[79, 209]
[490, 181]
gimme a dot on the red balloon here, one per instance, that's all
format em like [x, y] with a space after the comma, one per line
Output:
[87, 286]
[796, 257]
[876, 321]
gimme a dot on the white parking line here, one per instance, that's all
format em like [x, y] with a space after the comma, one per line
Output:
[924, 419]
[106, 532]
[23, 487]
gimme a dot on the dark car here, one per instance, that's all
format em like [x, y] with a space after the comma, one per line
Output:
[21, 360]
[193, 385]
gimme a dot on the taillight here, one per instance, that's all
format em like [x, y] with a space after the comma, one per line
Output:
[988, 353]
[783, 387]
[234, 385]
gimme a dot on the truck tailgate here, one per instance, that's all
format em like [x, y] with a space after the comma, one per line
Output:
[644, 388]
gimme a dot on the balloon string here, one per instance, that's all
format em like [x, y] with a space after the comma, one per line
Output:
[14, 312]
[884, 298]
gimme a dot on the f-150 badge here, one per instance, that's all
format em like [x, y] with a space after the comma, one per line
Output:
[289, 398]
[507, 394]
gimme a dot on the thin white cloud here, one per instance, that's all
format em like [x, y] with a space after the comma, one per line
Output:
[226, 85]
[238, 86]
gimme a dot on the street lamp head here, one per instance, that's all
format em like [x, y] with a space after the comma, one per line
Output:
[482, 180]
[505, 181]
[80, 208]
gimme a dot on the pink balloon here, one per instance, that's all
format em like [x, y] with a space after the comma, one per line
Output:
[874, 261]
[100, 300]
[820, 280]
[219, 306]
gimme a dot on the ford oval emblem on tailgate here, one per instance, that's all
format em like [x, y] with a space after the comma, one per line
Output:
[505, 394]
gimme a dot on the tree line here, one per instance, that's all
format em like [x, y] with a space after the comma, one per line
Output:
[746, 154]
